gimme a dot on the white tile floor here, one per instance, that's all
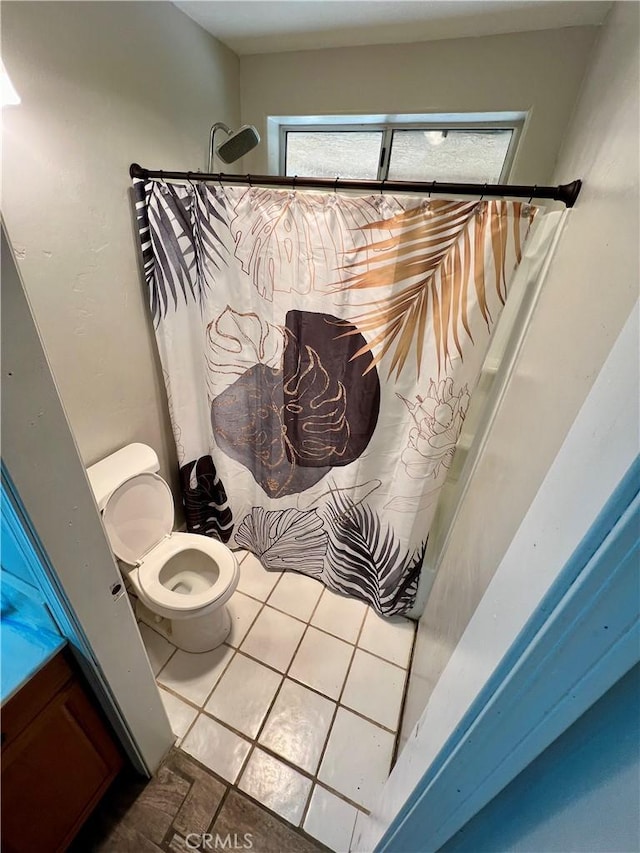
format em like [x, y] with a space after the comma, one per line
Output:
[300, 706]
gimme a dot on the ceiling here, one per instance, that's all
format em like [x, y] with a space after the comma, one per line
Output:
[270, 26]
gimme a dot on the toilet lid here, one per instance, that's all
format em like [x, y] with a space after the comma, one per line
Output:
[137, 515]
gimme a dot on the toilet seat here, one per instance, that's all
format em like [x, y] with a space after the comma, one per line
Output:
[138, 517]
[171, 546]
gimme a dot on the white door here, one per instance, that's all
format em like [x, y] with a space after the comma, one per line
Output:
[51, 492]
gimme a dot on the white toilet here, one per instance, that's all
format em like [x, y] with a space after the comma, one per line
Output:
[182, 580]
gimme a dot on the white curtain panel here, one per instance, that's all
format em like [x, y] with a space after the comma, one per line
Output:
[319, 351]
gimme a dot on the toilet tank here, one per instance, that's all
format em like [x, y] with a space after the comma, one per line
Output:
[105, 476]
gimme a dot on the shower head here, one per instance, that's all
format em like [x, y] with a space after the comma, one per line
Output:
[237, 144]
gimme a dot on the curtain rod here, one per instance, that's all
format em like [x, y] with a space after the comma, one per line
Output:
[566, 193]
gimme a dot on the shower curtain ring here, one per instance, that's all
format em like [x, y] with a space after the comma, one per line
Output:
[382, 185]
[535, 189]
[293, 183]
[335, 186]
[249, 181]
[220, 180]
[484, 189]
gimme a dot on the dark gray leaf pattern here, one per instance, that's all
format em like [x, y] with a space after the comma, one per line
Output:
[331, 402]
[204, 498]
[290, 424]
[144, 237]
[247, 424]
[364, 558]
[181, 231]
[285, 539]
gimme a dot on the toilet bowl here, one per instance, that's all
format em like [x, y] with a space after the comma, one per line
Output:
[182, 580]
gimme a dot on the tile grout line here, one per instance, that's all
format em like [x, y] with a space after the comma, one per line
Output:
[296, 829]
[170, 833]
[283, 676]
[236, 652]
[244, 736]
[256, 744]
[201, 709]
[253, 746]
[189, 727]
[286, 675]
[271, 706]
[221, 804]
[325, 589]
[324, 630]
[333, 719]
[230, 787]
[312, 778]
[157, 675]
[243, 766]
[252, 741]
[312, 690]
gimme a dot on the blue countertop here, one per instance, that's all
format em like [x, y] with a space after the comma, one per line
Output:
[28, 639]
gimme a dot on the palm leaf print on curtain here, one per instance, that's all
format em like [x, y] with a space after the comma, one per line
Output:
[319, 353]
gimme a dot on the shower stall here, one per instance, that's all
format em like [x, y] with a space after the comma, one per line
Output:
[320, 351]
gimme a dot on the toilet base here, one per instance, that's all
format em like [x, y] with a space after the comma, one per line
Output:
[197, 634]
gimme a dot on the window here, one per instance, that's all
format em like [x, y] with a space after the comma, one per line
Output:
[466, 148]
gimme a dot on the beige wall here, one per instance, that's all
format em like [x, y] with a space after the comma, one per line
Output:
[589, 293]
[536, 71]
[102, 85]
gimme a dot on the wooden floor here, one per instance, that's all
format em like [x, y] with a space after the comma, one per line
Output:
[182, 802]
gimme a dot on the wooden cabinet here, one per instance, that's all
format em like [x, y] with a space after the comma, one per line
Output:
[58, 758]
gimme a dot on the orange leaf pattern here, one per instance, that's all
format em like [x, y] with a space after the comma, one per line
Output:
[440, 255]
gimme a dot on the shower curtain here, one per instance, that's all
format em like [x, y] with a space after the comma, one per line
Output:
[319, 352]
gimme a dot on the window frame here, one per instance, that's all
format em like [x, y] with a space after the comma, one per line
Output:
[454, 121]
